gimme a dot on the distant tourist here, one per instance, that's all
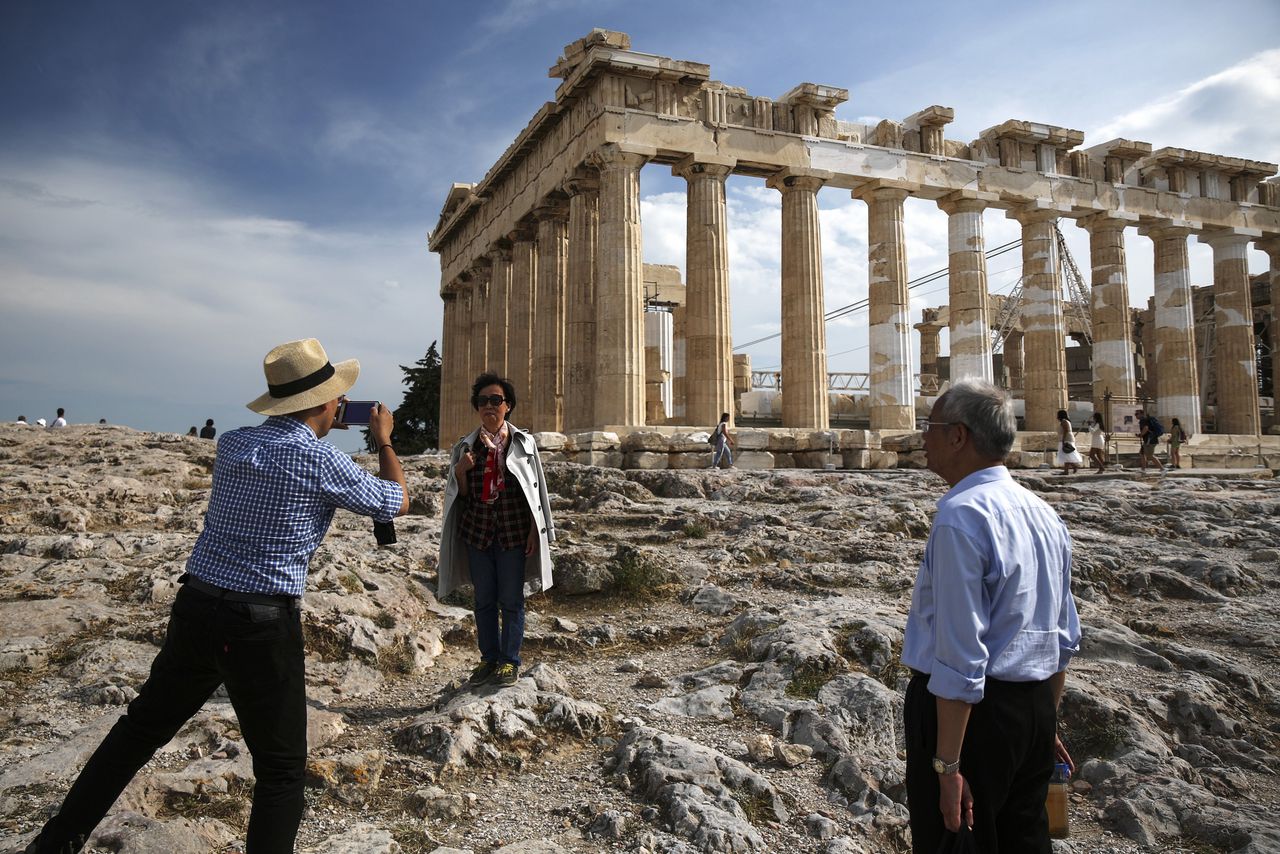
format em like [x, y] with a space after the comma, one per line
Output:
[1149, 432]
[236, 620]
[1097, 443]
[22, 419]
[192, 432]
[1176, 437]
[497, 527]
[102, 421]
[208, 431]
[1068, 457]
[991, 630]
[721, 442]
[60, 421]
[40, 422]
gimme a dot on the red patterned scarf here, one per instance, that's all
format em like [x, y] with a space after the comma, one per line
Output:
[494, 482]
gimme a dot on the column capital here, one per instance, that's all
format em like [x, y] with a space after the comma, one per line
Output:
[499, 250]
[1158, 229]
[1035, 212]
[1229, 236]
[584, 179]
[1107, 221]
[615, 155]
[703, 166]
[882, 189]
[553, 208]
[524, 232]
[793, 178]
[967, 201]
[481, 267]
[1270, 244]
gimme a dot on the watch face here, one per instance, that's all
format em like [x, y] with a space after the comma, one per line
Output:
[939, 766]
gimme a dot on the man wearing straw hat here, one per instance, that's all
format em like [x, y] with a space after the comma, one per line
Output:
[236, 619]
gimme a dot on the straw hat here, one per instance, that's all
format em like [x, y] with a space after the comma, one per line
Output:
[300, 376]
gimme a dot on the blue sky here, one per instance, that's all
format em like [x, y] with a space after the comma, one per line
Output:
[184, 185]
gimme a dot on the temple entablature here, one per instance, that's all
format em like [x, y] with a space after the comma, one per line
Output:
[1204, 175]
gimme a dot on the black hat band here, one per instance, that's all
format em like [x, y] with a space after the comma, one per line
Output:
[306, 383]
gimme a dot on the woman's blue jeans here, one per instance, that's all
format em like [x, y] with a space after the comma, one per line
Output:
[498, 577]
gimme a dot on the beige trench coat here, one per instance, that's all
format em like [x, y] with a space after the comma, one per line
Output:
[524, 464]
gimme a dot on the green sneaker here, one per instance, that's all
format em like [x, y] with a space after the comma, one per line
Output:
[483, 673]
[506, 674]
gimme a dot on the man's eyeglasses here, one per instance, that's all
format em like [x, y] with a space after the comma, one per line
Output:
[490, 400]
[929, 425]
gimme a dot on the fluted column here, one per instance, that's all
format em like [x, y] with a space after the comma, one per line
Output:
[465, 362]
[889, 307]
[480, 317]
[929, 334]
[453, 394]
[804, 333]
[1043, 343]
[524, 269]
[547, 390]
[708, 354]
[619, 394]
[580, 335]
[1271, 246]
[499, 305]
[1177, 377]
[1234, 356]
[1012, 360]
[1109, 308]
[969, 327]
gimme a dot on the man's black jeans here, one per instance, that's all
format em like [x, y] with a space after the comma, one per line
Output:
[256, 650]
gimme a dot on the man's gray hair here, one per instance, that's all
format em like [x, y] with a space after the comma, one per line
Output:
[986, 410]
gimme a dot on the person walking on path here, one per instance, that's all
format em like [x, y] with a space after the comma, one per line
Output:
[236, 620]
[497, 530]
[1176, 437]
[721, 442]
[991, 630]
[1149, 432]
[1097, 443]
[208, 431]
[1068, 457]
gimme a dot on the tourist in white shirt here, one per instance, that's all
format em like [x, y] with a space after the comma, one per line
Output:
[60, 421]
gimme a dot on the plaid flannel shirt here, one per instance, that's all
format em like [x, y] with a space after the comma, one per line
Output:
[508, 519]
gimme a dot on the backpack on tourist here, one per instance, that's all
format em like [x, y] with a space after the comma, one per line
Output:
[1154, 429]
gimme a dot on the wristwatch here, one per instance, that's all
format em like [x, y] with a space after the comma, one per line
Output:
[945, 767]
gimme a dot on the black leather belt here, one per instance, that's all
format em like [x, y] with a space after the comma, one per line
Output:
[235, 595]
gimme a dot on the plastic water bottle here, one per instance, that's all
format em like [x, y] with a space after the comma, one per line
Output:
[1056, 803]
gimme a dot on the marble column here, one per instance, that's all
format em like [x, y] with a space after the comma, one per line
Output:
[1177, 376]
[804, 334]
[1044, 346]
[892, 389]
[1271, 246]
[969, 327]
[708, 346]
[466, 364]
[1234, 356]
[580, 308]
[1012, 358]
[929, 334]
[499, 305]
[453, 394]
[480, 317]
[524, 269]
[1109, 309]
[547, 389]
[619, 375]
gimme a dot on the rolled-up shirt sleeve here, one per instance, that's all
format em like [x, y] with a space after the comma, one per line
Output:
[959, 565]
[1068, 619]
[350, 487]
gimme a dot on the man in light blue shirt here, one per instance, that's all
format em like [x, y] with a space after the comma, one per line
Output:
[991, 630]
[236, 620]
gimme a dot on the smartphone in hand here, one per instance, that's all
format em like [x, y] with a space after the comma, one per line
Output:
[355, 412]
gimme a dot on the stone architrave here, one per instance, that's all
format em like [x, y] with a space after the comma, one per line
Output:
[499, 306]
[480, 318]
[580, 302]
[969, 329]
[1271, 246]
[1044, 384]
[1177, 376]
[804, 334]
[892, 389]
[1234, 356]
[453, 392]
[524, 271]
[547, 389]
[619, 375]
[1109, 308]
[708, 346]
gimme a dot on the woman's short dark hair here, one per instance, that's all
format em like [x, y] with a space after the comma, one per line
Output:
[1097, 416]
[1062, 414]
[988, 413]
[724, 416]
[487, 379]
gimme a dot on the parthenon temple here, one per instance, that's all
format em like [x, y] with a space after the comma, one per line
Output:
[543, 281]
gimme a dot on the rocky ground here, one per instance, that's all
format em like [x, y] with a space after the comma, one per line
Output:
[716, 669]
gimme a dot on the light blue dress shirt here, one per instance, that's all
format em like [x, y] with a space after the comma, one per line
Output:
[275, 487]
[993, 594]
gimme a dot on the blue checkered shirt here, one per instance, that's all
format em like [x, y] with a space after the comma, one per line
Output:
[275, 487]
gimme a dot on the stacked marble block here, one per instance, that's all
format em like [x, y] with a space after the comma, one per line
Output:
[681, 448]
